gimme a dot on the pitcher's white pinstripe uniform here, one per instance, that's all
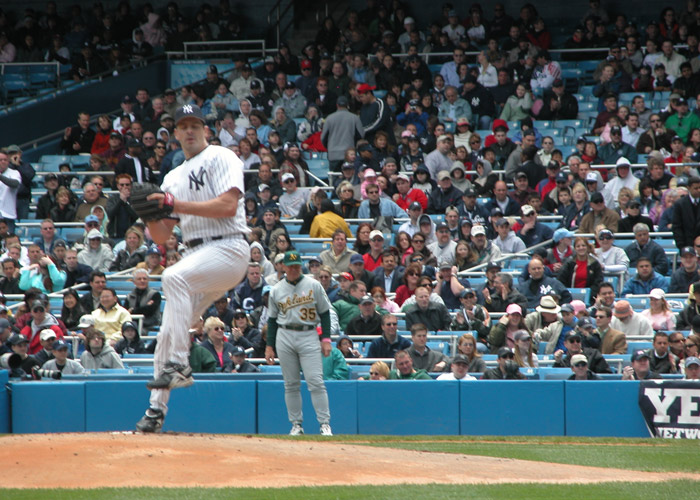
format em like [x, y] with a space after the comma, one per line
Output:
[210, 269]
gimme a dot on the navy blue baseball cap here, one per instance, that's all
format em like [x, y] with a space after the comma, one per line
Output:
[60, 344]
[189, 111]
[237, 351]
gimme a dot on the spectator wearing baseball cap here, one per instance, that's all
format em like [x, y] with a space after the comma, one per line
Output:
[292, 100]
[445, 195]
[507, 368]
[616, 148]
[406, 195]
[532, 232]
[240, 87]
[629, 322]
[374, 114]
[502, 333]
[580, 369]
[640, 367]
[687, 273]
[60, 350]
[612, 258]
[682, 121]
[599, 214]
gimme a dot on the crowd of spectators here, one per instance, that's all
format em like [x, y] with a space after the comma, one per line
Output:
[403, 142]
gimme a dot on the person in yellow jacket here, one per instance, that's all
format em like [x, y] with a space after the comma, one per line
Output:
[325, 223]
[110, 316]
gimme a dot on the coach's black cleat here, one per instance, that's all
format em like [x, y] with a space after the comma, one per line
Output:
[172, 377]
[152, 421]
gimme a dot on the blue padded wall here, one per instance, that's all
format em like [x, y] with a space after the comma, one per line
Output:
[607, 408]
[48, 407]
[221, 407]
[507, 408]
[4, 403]
[403, 407]
[272, 412]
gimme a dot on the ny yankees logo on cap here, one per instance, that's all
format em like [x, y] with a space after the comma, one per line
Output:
[189, 111]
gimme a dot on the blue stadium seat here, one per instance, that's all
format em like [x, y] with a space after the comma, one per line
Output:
[583, 294]
[319, 167]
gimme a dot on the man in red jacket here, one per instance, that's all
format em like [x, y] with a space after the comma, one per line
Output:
[41, 320]
[407, 195]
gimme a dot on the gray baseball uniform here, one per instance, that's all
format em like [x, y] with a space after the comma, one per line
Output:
[297, 308]
[215, 265]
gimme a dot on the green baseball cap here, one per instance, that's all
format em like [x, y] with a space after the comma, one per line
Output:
[292, 258]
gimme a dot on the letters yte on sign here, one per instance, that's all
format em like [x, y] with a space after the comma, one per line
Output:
[671, 408]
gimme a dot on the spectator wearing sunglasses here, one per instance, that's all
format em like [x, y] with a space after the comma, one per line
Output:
[579, 365]
[216, 344]
[573, 346]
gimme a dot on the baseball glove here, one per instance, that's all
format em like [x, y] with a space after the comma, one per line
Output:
[149, 210]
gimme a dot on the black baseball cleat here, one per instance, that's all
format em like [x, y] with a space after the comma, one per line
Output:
[173, 376]
[152, 421]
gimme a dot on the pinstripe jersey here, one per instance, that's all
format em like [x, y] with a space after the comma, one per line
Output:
[214, 171]
[300, 304]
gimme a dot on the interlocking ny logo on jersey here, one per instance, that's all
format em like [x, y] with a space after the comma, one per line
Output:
[197, 180]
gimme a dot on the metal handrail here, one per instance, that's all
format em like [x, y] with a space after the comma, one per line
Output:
[280, 14]
[189, 45]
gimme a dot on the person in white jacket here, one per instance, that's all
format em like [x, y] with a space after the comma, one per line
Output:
[624, 179]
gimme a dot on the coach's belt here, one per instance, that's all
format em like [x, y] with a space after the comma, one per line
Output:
[198, 241]
[298, 328]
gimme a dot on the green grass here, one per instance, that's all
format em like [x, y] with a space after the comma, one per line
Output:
[655, 455]
[671, 490]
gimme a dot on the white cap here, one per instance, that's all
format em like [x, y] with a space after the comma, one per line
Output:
[409, 20]
[94, 233]
[369, 172]
[657, 293]
[86, 320]
[286, 176]
[591, 177]
[403, 176]
[525, 209]
[375, 233]
[477, 230]
[47, 334]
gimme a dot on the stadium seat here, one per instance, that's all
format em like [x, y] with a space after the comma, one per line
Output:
[583, 294]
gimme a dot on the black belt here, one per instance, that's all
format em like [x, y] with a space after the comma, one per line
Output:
[298, 328]
[198, 241]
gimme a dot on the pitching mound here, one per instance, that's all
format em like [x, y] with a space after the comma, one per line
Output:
[170, 460]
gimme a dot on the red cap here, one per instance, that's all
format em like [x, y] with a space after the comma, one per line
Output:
[363, 88]
[305, 64]
[347, 276]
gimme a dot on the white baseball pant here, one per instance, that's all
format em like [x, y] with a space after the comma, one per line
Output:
[203, 275]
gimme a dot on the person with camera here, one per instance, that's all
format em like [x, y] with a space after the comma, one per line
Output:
[20, 346]
[507, 368]
[60, 361]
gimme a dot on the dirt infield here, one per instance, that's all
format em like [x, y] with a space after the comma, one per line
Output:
[172, 460]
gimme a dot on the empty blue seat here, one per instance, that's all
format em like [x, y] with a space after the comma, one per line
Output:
[583, 294]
